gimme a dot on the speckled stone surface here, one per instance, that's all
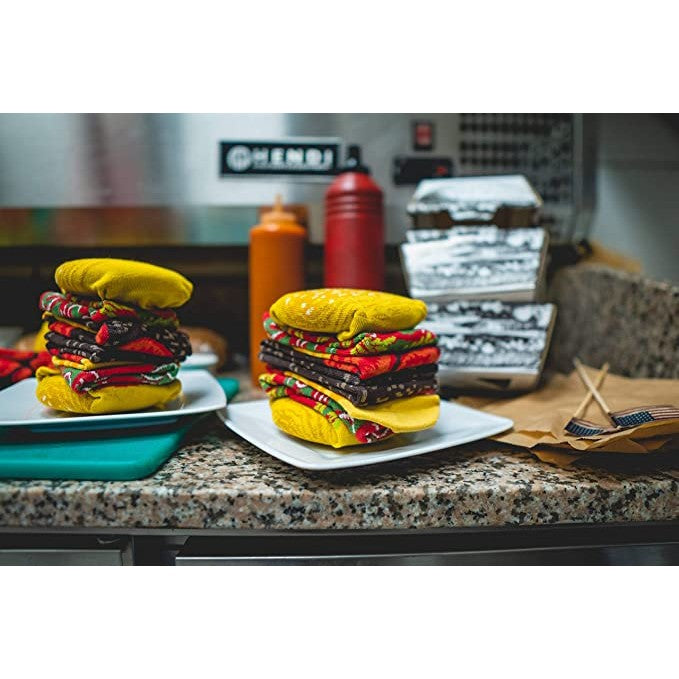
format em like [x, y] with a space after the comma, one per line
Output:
[608, 315]
[219, 481]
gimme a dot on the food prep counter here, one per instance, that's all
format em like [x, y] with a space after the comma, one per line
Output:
[220, 497]
[221, 500]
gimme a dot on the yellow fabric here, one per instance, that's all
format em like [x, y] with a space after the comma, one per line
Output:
[127, 281]
[85, 363]
[304, 423]
[53, 392]
[49, 319]
[412, 413]
[40, 343]
[345, 312]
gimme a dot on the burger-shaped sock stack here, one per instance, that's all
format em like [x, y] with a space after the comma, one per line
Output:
[349, 367]
[113, 335]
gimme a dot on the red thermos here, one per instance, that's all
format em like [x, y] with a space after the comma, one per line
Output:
[354, 228]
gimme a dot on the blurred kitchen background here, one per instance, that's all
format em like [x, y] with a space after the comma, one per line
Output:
[164, 188]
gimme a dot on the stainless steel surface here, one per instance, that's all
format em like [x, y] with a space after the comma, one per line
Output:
[54, 549]
[61, 557]
[65, 161]
[609, 555]
[649, 543]
[585, 158]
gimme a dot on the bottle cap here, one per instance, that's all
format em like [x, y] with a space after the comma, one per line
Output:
[353, 162]
[277, 213]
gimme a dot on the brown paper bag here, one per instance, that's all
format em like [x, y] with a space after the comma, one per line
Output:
[540, 417]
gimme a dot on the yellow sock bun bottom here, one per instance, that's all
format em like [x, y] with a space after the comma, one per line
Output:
[304, 423]
[53, 392]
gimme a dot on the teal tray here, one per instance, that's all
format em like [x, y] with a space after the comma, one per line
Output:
[97, 456]
[229, 385]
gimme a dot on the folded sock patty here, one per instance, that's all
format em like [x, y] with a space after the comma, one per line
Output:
[167, 343]
[119, 332]
[365, 343]
[65, 346]
[87, 380]
[409, 382]
[93, 312]
[311, 362]
[119, 352]
[364, 367]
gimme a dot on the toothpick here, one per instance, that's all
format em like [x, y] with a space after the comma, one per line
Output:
[594, 391]
[588, 397]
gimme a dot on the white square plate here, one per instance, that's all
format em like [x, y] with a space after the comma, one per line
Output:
[457, 424]
[201, 393]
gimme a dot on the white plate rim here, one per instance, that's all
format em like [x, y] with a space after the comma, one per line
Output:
[360, 459]
[200, 361]
[189, 380]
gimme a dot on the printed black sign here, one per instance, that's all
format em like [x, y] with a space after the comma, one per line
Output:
[285, 157]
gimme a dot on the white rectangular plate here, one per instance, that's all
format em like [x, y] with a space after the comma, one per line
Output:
[200, 361]
[19, 407]
[457, 424]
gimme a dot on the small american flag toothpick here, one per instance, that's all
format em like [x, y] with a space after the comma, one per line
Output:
[621, 419]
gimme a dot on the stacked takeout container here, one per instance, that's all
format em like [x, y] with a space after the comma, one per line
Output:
[478, 260]
[348, 367]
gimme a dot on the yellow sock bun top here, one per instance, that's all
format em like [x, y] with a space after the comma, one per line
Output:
[345, 312]
[124, 280]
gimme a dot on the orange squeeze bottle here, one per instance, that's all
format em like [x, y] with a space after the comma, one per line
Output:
[276, 267]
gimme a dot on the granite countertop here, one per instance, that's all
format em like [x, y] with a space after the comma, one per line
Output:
[219, 481]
